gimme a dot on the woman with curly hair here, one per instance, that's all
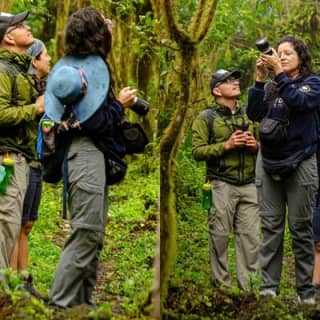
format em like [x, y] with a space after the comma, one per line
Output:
[80, 97]
[286, 169]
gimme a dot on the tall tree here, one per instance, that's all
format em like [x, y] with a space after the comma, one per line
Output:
[133, 57]
[63, 10]
[187, 38]
[5, 6]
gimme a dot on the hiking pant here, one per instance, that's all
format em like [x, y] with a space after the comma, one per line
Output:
[76, 272]
[297, 191]
[234, 209]
[11, 204]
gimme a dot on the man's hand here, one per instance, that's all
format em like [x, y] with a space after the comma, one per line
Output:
[251, 143]
[40, 104]
[237, 139]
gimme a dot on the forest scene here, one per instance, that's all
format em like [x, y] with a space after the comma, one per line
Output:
[155, 260]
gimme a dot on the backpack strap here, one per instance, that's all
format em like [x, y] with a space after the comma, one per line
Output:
[65, 185]
[208, 115]
[210, 118]
[12, 70]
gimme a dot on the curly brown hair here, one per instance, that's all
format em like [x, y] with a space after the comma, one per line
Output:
[303, 52]
[87, 33]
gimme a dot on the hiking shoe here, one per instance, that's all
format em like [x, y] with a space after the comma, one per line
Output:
[267, 293]
[317, 290]
[309, 301]
[29, 287]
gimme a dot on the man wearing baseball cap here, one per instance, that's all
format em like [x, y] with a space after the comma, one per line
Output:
[224, 137]
[19, 112]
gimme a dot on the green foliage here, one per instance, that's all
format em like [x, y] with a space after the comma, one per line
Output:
[189, 178]
[19, 303]
[130, 237]
[144, 39]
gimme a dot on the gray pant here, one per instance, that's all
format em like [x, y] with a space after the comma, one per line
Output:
[234, 209]
[76, 273]
[297, 192]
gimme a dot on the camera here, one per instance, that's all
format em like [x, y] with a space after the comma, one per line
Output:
[263, 46]
[140, 107]
[243, 127]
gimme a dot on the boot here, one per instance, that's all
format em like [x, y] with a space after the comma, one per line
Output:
[29, 287]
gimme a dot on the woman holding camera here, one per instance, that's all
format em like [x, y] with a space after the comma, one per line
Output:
[286, 169]
[80, 98]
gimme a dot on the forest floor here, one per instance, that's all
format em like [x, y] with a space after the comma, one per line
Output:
[191, 294]
[125, 275]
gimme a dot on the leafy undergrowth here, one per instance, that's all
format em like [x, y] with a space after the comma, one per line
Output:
[184, 303]
[126, 268]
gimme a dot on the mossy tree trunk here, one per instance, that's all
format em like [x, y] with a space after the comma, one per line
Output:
[187, 42]
[6, 5]
[133, 63]
[63, 9]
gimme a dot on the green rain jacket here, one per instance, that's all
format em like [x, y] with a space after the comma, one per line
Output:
[235, 166]
[18, 112]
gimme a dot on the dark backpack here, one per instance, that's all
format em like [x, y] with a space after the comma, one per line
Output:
[52, 146]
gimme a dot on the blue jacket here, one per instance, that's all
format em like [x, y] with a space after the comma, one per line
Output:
[104, 127]
[299, 99]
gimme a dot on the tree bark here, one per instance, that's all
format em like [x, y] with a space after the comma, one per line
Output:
[63, 9]
[187, 42]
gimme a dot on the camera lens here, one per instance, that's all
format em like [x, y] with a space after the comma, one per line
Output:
[263, 46]
[141, 107]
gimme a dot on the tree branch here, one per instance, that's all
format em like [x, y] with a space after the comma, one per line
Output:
[203, 28]
[197, 17]
[170, 21]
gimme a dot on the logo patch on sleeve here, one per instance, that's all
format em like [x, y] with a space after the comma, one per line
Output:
[305, 88]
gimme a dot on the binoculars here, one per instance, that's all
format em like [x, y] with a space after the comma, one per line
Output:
[243, 127]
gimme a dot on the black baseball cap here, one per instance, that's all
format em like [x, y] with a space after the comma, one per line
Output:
[221, 75]
[7, 20]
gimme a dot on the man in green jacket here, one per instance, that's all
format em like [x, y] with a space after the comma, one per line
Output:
[226, 139]
[19, 112]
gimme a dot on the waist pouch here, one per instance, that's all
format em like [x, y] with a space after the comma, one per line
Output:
[283, 166]
[273, 131]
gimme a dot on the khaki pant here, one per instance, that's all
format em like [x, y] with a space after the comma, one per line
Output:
[234, 209]
[11, 204]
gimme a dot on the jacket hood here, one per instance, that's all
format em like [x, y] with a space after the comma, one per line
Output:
[21, 59]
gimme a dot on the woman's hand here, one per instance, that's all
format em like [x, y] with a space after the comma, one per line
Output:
[272, 61]
[261, 70]
[127, 97]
